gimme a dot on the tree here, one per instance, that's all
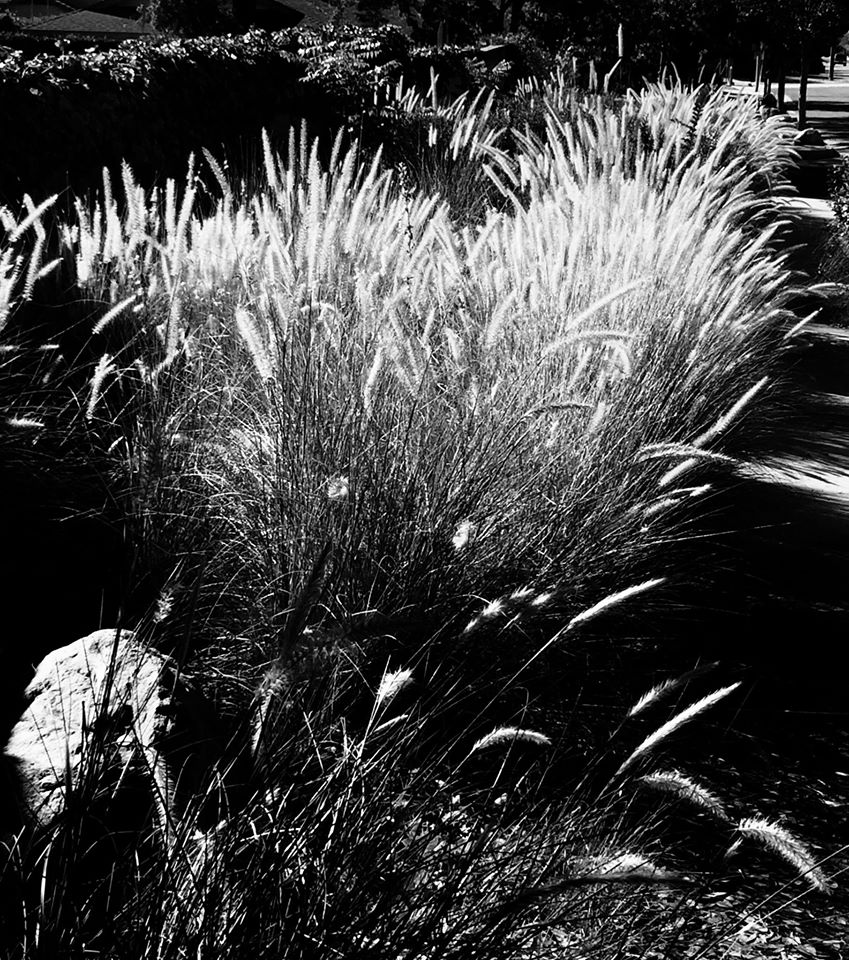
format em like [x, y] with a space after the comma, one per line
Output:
[690, 35]
[815, 21]
[582, 30]
[793, 30]
[188, 18]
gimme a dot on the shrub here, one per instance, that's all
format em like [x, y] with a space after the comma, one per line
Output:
[187, 94]
[182, 94]
[185, 17]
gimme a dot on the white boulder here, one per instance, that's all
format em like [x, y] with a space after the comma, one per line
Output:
[109, 708]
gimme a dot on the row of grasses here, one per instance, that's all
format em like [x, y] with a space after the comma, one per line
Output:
[397, 452]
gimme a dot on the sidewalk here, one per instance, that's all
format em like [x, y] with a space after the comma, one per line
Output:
[827, 113]
[828, 105]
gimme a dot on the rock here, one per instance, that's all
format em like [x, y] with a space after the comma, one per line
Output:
[110, 706]
[809, 138]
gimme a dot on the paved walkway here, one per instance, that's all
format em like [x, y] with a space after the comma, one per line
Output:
[828, 112]
[828, 105]
[821, 368]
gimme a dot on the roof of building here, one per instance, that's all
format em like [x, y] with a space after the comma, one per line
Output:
[91, 22]
[131, 8]
[36, 11]
[87, 16]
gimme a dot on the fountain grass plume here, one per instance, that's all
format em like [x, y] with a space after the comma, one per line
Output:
[684, 787]
[510, 735]
[667, 687]
[675, 723]
[391, 684]
[785, 845]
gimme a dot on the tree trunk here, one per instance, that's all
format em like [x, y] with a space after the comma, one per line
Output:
[516, 15]
[503, 21]
[803, 86]
[781, 70]
[624, 63]
[831, 53]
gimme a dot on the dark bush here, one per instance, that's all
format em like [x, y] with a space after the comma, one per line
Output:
[69, 114]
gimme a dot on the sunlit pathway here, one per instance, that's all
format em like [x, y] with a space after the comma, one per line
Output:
[800, 499]
[811, 217]
[827, 113]
[828, 107]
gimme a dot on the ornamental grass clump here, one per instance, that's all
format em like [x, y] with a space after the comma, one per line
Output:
[397, 479]
[349, 839]
[561, 373]
[550, 338]
[498, 397]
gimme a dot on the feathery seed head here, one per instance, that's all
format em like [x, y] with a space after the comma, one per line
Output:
[672, 781]
[623, 866]
[164, 606]
[502, 735]
[24, 423]
[654, 694]
[668, 728]
[521, 593]
[391, 684]
[614, 600]
[660, 505]
[102, 370]
[338, 489]
[493, 609]
[668, 686]
[463, 535]
[785, 845]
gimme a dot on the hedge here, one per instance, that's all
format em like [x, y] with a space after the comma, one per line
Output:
[66, 116]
